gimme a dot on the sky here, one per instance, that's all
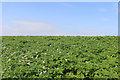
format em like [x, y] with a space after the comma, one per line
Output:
[60, 0]
[59, 18]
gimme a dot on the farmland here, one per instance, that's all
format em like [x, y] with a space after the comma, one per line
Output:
[59, 57]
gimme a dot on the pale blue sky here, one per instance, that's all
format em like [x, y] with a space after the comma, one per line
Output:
[78, 18]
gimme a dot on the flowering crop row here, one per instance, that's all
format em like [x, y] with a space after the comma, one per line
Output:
[60, 57]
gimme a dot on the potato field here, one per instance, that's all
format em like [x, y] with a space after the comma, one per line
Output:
[59, 57]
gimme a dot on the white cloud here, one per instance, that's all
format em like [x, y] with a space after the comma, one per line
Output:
[103, 10]
[115, 6]
[8, 31]
[89, 32]
[28, 27]
[66, 4]
[23, 28]
[105, 19]
[94, 32]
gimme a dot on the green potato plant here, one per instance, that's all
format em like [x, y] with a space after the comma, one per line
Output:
[60, 57]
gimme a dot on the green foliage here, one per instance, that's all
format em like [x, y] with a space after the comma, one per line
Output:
[60, 57]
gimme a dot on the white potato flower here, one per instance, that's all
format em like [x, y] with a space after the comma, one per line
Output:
[8, 60]
[57, 68]
[43, 61]
[28, 63]
[52, 55]
[40, 73]
[43, 67]
[45, 53]
[36, 57]
[9, 67]
[45, 71]
[66, 60]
